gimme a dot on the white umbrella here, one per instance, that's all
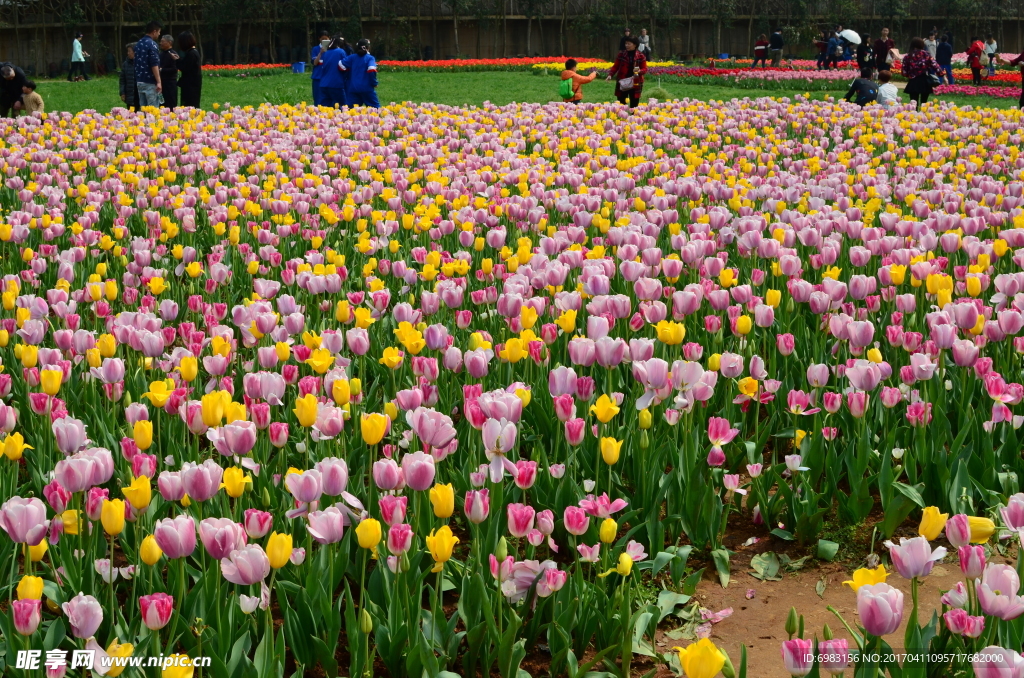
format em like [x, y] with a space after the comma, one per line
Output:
[850, 36]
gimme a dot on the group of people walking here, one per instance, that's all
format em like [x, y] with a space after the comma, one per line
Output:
[342, 75]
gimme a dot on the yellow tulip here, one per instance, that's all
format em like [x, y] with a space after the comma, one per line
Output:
[714, 361]
[670, 333]
[180, 667]
[773, 298]
[932, 523]
[341, 391]
[898, 273]
[981, 529]
[373, 426]
[160, 392]
[874, 355]
[364, 318]
[610, 448]
[701, 659]
[70, 520]
[116, 649]
[157, 285]
[50, 380]
[625, 565]
[744, 324]
[305, 410]
[235, 481]
[213, 405]
[150, 551]
[368, 533]
[112, 516]
[605, 409]
[320, 360]
[140, 493]
[443, 499]
[142, 432]
[283, 351]
[514, 351]
[234, 412]
[36, 553]
[107, 345]
[748, 386]
[441, 543]
[645, 419]
[342, 313]
[866, 577]
[188, 367]
[29, 356]
[14, 446]
[391, 358]
[567, 321]
[609, 528]
[279, 549]
[30, 588]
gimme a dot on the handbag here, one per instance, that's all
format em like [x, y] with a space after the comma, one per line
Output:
[934, 80]
[625, 84]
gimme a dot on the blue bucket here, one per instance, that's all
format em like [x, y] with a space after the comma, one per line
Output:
[299, 67]
[723, 56]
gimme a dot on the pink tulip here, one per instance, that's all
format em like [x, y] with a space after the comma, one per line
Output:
[246, 566]
[201, 481]
[400, 539]
[279, 434]
[24, 520]
[334, 475]
[327, 526]
[69, 434]
[817, 375]
[27, 614]
[85, 614]
[797, 656]
[431, 427]
[1013, 513]
[520, 519]
[956, 596]
[418, 471]
[958, 530]
[576, 520]
[477, 506]
[589, 554]
[393, 508]
[880, 608]
[972, 560]
[996, 662]
[57, 497]
[997, 593]
[156, 610]
[785, 343]
[834, 655]
[914, 557]
[857, 402]
[257, 523]
[221, 536]
[176, 536]
[94, 499]
[602, 507]
[387, 475]
[575, 431]
[526, 474]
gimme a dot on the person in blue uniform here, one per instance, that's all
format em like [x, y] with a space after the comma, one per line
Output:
[332, 82]
[318, 70]
[361, 71]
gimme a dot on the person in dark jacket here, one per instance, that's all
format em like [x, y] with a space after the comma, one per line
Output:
[360, 70]
[12, 79]
[169, 71]
[190, 66]
[835, 52]
[944, 57]
[775, 46]
[622, 41]
[862, 92]
[332, 83]
[882, 47]
[865, 57]
[918, 66]
[126, 82]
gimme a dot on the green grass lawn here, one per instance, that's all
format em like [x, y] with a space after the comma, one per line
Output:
[455, 89]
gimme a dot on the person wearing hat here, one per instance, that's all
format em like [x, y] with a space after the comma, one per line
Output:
[361, 72]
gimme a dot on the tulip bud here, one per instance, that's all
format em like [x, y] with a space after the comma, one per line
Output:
[266, 498]
[728, 670]
[365, 622]
[791, 622]
[826, 632]
[609, 528]
[643, 440]
[502, 551]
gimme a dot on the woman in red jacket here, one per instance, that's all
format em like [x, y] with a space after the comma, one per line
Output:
[974, 59]
[628, 71]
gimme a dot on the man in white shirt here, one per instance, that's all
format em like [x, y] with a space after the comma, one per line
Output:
[931, 44]
[888, 95]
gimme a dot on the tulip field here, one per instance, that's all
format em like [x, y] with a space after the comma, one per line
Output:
[483, 391]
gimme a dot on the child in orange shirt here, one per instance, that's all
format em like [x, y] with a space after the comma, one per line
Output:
[577, 81]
